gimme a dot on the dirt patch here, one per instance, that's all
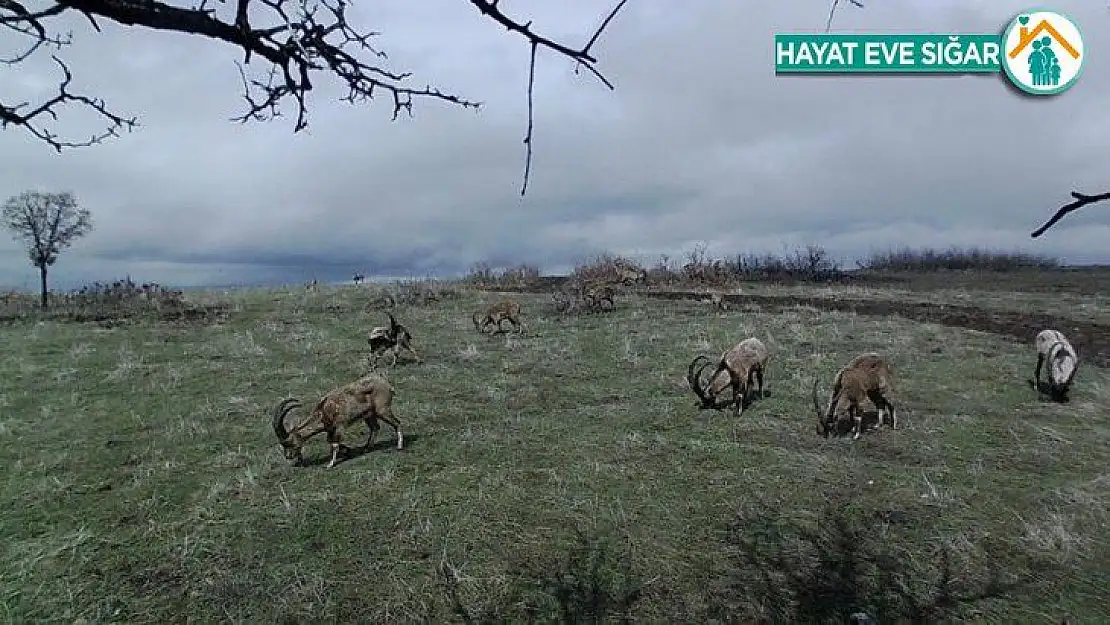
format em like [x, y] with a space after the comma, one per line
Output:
[1091, 340]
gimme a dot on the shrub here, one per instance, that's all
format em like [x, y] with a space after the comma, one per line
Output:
[953, 259]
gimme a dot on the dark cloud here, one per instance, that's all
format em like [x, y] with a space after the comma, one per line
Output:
[700, 143]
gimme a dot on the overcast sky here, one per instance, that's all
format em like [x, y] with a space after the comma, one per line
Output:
[700, 143]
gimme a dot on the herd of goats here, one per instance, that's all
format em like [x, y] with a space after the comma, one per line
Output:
[739, 369]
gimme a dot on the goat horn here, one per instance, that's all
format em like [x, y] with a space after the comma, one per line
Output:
[694, 377]
[280, 411]
[816, 404]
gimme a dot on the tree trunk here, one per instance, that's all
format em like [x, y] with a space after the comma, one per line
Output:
[42, 276]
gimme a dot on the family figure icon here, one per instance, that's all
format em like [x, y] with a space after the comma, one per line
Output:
[1044, 67]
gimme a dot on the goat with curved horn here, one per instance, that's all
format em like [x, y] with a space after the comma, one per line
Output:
[368, 399]
[738, 368]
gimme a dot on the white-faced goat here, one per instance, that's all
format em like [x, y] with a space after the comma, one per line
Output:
[867, 376]
[738, 368]
[1054, 350]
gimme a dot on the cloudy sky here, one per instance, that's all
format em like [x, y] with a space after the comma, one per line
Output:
[700, 144]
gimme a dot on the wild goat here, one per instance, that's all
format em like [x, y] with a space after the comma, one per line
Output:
[358, 278]
[597, 294]
[368, 399]
[391, 339]
[504, 310]
[1053, 347]
[737, 368]
[716, 301]
[311, 285]
[562, 301]
[866, 376]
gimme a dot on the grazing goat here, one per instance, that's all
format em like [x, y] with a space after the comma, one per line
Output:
[391, 339]
[1053, 347]
[358, 278]
[737, 368]
[867, 376]
[504, 310]
[717, 301]
[368, 399]
[597, 294]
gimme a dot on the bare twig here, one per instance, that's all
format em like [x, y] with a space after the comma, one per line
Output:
[29, 119]
[528, 134]
[832, 12]
[302, 39]
[1081, 200]
[582, 56]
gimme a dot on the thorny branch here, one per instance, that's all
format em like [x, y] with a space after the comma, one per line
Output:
[299, 38]
[1081, 200]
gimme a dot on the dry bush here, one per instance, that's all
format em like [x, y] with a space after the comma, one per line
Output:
[605, 268]
[419, 292]
[954, 259]
[485, 276]
[810, 263]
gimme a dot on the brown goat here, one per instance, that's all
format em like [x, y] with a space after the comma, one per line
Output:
[737, 368]
[867, 376]
[392, 339]
[367, 399]
[504, 310]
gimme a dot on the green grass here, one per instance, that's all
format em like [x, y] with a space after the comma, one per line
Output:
[560, 475]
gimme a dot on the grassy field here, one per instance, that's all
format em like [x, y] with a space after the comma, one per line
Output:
[563, 475]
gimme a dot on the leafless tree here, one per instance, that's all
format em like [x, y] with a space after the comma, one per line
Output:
[297, 41]
[47, 223]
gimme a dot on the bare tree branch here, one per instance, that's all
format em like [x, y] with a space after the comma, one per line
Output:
[1081, 200]
[13, 115]
[832, 12]
[582, 56]
[528, 134]
[299, 40]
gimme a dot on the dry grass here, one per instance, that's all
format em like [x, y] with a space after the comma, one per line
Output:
[562, 474]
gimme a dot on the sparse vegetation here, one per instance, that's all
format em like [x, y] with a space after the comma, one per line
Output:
[485, 276]
[954, 259]
[557, 476]
[110, 303]
[417, 292]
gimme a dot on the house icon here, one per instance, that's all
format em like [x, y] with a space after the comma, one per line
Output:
[1027, 36]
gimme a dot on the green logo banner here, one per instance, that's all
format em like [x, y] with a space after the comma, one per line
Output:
[870, 53]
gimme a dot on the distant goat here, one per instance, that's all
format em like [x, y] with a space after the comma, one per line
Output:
[392, 339]
[738, 368]
[867, 376]
[504, 310]
[1063, 363]
[358, 278]
[717, 301]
